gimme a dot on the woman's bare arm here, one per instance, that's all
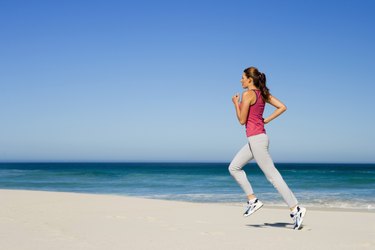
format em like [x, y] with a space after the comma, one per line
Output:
[280, 108]
[243, 111]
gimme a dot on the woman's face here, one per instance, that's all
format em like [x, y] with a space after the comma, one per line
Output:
[245, 81]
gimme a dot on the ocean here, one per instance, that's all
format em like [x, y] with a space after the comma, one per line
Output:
[346, 186]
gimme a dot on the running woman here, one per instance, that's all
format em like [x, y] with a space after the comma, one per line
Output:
[250, 113]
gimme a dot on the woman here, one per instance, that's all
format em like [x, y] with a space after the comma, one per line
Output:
[250, 112]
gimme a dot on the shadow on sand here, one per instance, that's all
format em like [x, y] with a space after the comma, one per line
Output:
[276, 224]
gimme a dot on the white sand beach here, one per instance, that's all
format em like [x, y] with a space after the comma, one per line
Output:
[59, 220]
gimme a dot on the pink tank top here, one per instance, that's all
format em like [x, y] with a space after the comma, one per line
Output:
[255, 123]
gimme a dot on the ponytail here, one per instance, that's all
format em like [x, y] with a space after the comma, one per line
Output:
[259, 79]
[262, 86]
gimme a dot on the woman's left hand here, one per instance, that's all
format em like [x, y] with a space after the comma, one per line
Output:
[236, 98]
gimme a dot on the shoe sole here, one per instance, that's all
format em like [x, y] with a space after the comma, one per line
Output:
[302, 216]
[246, 215]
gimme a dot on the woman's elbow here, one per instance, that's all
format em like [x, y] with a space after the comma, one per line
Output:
[242, 122]
[283, 108]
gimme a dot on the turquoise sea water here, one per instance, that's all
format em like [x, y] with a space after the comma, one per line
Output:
[315, 185]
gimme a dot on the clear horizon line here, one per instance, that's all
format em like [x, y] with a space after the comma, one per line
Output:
[174, 162]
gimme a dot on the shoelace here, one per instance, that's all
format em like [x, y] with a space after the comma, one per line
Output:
[249, 206]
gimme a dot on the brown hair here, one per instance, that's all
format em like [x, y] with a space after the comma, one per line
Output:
[259, 80]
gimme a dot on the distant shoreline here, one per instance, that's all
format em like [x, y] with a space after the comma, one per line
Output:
[326, 186]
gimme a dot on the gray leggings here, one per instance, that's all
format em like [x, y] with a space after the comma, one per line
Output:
[257, 149]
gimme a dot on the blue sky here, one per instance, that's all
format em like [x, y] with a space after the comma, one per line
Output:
[153, 80]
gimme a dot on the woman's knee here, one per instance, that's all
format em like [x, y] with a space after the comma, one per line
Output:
[233, 168]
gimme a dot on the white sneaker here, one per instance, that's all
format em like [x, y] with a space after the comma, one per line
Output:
[252, 207]
[297, 217]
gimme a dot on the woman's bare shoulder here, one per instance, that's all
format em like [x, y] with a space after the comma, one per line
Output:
[248, 95]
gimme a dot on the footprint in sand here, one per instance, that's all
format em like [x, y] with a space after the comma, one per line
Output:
[121, 217]
[212, 233]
